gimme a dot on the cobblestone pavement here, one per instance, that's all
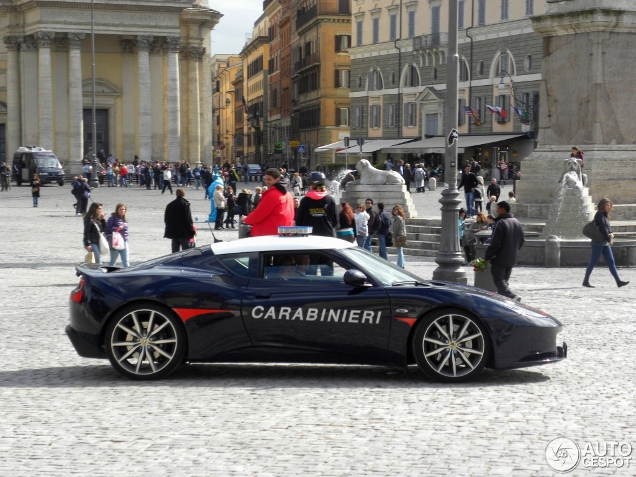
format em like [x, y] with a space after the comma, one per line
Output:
[64, 415]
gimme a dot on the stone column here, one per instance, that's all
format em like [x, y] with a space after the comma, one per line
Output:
[45, 89]
[195, 55]
[75, 98]
[172, 93]
[128, 121]
[13, 96]
[143, 90]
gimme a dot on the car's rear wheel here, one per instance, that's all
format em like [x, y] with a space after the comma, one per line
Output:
[451, 345]
[145, 342]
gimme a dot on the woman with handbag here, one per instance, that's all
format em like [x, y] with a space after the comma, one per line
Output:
[117, 230]
[83, 194]
[35, 189]
[398, 228]
[94, 226]
[604, 247]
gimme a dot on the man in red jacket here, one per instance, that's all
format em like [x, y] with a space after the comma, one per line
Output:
[275, 209]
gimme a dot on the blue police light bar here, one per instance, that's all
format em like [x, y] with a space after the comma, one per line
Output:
[294, 231]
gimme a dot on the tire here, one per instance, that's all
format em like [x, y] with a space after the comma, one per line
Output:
[166, 344]
[451, 359]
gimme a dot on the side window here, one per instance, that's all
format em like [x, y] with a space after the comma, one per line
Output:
[243, 264]
[312, 268]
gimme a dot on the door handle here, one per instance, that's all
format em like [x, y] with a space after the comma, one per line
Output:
[262, 295]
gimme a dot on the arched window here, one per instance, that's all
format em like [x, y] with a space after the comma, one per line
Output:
[411, 77]
[374, 80]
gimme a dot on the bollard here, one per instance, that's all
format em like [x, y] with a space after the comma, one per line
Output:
[432, 184]
[552, 252]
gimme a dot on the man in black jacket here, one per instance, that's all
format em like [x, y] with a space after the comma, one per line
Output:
[507, 239]
[178, 220]
[373, 224]
[493, 189]
[318, 209]
[469, 183]
[385, 226]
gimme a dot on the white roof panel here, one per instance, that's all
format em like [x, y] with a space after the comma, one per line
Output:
[273, 243]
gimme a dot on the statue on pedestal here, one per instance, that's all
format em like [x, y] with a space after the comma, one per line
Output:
[369, 175]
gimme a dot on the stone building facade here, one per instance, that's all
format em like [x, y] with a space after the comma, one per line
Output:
[152, 78]
[398, 75]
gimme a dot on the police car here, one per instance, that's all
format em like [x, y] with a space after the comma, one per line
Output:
[300, 299]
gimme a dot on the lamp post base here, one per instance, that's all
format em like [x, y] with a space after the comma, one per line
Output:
[450, 258]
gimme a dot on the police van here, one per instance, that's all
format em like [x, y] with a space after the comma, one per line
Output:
[31, 160]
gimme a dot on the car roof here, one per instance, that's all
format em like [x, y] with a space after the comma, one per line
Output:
[273, 243]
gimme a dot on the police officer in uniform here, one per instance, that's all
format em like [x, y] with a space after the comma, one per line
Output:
[317, 209]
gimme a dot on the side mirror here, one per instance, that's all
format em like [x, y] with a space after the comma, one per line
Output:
[355, 278]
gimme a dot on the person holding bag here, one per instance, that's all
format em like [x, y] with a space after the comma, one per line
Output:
[118, 225]
[94, 226]
[398, 228]
[602, 220]
[35, 189]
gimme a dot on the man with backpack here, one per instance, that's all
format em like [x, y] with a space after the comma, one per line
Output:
[373, 224]
[318, 209]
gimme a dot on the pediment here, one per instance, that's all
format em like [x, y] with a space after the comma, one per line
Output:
[430, 95]
[103, 87]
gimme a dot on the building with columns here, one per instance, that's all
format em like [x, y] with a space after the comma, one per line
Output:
[152, 78]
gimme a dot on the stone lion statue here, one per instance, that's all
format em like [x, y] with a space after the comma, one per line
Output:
[574, 165]
[369, 175]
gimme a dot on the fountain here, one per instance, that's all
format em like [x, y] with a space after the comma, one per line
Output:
[571, 209]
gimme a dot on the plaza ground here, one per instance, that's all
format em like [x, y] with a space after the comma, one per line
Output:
[65, 415]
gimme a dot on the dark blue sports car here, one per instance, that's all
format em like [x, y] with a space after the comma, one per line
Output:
[303, 300]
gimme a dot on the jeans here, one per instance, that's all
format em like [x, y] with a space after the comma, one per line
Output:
[123, 181]
[606, 251]
[470, 199]
[123, 254]
[246, 177]
[218, 224]
[180, 243]
[382, 242]
[400, 254]
[168, 185]
[197, 183]
[35, 201]
[360, 240]
[97, 253]
[367, 242]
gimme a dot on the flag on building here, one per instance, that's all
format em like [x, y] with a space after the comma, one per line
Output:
[496, 109]
[523, 114]
[492, 109]
[473, 113]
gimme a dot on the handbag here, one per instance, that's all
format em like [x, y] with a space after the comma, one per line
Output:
[118, 241]
[389, 239]
[89, 257]
[592, 231]
[86, 194]
[237, 210]
[400, 241]
[103, 243]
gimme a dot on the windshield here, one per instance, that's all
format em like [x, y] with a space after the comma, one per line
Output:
[385, 272]
[46, 159]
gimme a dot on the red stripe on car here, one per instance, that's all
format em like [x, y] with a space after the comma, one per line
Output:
[186, 313]
[410, 321]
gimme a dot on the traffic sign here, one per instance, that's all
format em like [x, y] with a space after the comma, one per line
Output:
[301, 149]
[452, 137]
[278, 148]
[293, 143]
[360, 141]
[346, 141]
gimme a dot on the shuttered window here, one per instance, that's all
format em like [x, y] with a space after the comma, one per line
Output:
[376, 30]
[411, 24]
[503, 101]
[460, 15]
[481, 13]
[505, 7]
[374, 116]
[410, 114]
[393, 27]
[359, 33]
[461, 113]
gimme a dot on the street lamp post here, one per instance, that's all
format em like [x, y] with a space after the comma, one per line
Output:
[94, 180]
[449, 258]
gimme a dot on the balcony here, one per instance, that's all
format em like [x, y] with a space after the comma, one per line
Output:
[306, 62]
[304, 16]
[434, 40]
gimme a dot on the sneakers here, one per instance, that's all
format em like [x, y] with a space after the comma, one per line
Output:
[621, 284]
[517, 298]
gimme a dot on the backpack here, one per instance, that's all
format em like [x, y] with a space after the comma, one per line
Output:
[477, 193]
[377, 223]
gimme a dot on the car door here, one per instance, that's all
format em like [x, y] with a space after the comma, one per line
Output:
[311, 311]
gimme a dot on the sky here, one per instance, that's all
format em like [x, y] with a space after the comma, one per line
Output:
[237, 21]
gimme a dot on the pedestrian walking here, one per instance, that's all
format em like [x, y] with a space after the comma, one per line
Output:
[35, 189]
[469, 183]
[84, 193]
[219, 203]
[398, 229]
[480, 194]
[94, 225]
[419, 174]
[362, 225]
[602, 221]
[493, 189]
[167, 177]
[117, 223]
[5, 176]
[385, 226]
[179, 225]
[230, 201]
[276, 207]
[318, 209]
[507, 238]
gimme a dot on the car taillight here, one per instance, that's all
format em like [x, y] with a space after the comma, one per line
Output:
[78, 293]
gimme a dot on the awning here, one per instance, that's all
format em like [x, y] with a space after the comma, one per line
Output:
[373, 145]
[438, 144]
[329, 147]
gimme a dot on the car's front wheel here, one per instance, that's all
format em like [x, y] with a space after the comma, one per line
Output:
[451, 345]
[145, 342]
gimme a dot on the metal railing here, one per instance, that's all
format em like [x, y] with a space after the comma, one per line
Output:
[306, 62]
[433, 40]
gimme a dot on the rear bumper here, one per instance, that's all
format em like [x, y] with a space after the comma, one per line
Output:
[84, 347]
